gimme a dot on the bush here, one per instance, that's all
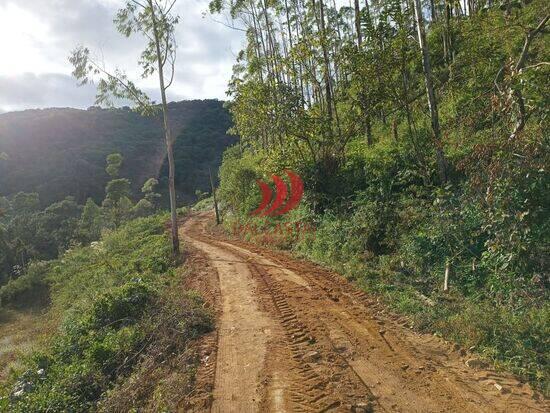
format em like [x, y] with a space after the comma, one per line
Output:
[29, 287]
[117, 306]
[204, 204]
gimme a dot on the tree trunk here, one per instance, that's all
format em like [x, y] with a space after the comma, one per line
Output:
[257, 47]
[369, 18]
[448, 37]
[363, 95]
[368, 130]
[432, 102]
[358, 23]
[327, 76]
[446, 279]
[517, 94]
[214, 196]
[168, 138]
[432, 10]
[291, 47]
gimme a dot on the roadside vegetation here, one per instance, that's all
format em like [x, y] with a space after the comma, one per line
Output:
[30, 235]
[122, 313]
[399, 194]
[120, 320]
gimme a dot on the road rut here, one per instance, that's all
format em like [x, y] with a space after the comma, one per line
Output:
[294, 337]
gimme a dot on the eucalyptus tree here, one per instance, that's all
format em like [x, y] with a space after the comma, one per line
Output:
[154, 20]
[326, 74]
[430, 91]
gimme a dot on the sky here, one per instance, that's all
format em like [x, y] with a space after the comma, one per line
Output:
[36, 37]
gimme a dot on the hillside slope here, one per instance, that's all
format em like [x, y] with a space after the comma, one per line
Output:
[61, 151]
[424, 161]
[121, 327]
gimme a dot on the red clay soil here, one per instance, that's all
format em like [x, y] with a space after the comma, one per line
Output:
[293, 337]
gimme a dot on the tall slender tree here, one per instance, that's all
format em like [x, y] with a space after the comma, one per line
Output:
[432, 101]
[154, 20]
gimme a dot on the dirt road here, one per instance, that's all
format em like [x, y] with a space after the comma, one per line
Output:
[293, 337]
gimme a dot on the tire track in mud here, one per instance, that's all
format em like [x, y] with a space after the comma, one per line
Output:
[243, 335]
[307, 389]
[436, 364]
[333, 348]
[307, 392]
[340, 329]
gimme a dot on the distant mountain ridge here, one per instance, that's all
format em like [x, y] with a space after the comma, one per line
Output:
[61, 151]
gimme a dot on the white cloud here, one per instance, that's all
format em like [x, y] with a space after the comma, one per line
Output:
[37, 36]
[22, 35]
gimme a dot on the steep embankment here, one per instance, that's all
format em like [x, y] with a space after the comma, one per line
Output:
[118, 333]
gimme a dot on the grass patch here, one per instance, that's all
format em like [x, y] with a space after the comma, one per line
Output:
[515, 338]
[118, 311]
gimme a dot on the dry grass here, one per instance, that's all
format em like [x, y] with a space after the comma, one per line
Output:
[154, 386]
[21, 332]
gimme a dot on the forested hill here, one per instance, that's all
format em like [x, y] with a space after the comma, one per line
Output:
[60, 152]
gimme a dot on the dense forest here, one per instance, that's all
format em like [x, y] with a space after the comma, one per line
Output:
[68, 174]
[420, 130]
[61, 152]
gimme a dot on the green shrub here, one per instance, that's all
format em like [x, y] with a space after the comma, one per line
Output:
[117, 303]
[517, 340]
[204, 204]
[32, 285]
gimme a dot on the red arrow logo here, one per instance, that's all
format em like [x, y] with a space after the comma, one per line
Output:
[266, 197]
[279, 207]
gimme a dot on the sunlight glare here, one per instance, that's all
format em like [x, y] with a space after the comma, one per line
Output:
[23, 39]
